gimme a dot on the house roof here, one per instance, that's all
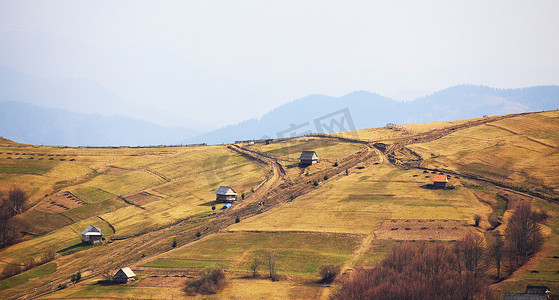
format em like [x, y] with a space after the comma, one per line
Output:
[308, 155]
[126, 271]
[92, 230]
[524, 296]
[226, 191]
[537, 289]
[440, 178]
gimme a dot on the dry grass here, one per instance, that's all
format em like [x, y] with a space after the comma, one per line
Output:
[358, 203]
[521, 151]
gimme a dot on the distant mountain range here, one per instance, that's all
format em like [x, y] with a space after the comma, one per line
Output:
[28, 123]
[31, 124]
[323, 114]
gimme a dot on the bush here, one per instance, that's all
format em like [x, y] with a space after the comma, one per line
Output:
[237, 220]
[30, 264]
[211, 281]
[243, 196]
[75, 278]
[477, 219]
[335, 164]
[328, 273]
[315, 183]
[174, 243]
[326, 177]
[47, 256]
[198, 234]
[10, 270]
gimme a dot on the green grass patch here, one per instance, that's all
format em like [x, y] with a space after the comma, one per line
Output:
[188, 263]
[92, 194]
[293, 252]
[26, 166]
[22, 278]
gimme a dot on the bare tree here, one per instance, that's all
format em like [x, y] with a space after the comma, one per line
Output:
[8, 226]
[471, 253]
[16, 200]
[272, 266]
[254, 266]
[523, 233]
[496, 250]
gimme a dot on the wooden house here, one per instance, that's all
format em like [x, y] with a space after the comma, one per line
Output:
[308, 158]
[225, 194]
[440, 181]
[92, 234]
[124, 275]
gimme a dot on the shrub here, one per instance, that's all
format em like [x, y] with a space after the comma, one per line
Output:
[47, 256]
[75, 278]
[198, 234]
[174, 243]
[335, 164]
[325, 176]
[10, 270]
[213, 207]
[237, 220]
[243, 196]
[30, 264]
[477, 219]
[315, 183]
[211, 281]
[328, 273]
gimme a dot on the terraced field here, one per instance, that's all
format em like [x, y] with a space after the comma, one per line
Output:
[146, 198]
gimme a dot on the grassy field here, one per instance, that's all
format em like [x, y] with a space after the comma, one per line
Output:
[520, 151]
[295, 253]
[153, 196]
[359, 202]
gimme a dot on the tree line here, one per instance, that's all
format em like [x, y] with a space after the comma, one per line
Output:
[11, 205]
[459, 271]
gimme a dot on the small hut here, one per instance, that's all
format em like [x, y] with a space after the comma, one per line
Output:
[92, 234]
[440, 181]
[308, 158]
[124, 275]
[225, 194]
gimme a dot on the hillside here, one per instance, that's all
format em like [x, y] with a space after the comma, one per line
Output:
[366, 194]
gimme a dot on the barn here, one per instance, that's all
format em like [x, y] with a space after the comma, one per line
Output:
[124, 275]
[440, 181]
[308, 158]
[225, 194]
[92, 234]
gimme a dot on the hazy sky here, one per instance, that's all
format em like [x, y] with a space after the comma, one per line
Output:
[284, 50]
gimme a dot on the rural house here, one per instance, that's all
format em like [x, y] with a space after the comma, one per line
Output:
[439, 181]
[225, 194]
[533, 292]
[308, 158]
[92, 234]
[124, 275]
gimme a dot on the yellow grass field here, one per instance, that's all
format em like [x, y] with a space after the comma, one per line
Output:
[145, 198]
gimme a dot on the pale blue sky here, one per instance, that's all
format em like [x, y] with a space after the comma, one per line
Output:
[266, 53]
